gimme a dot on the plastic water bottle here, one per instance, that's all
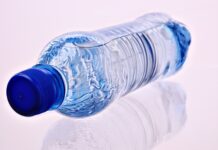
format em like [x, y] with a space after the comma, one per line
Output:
[131, 123]
[80, 73]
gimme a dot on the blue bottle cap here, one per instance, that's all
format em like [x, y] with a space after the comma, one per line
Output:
[35, 90]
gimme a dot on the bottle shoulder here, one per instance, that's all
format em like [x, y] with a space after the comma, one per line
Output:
[67, 44]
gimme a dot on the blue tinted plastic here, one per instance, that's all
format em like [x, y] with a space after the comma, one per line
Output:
[106, 64]
[183, 39]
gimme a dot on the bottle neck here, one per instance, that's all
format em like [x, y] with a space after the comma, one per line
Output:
[59, 84]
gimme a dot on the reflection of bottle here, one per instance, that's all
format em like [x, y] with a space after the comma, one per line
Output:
[130, 124]
[81, 73]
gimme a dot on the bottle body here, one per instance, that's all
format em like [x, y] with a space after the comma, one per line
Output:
[99, 66]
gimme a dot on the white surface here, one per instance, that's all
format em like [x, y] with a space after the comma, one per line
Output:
[134, 122]
[27, 25]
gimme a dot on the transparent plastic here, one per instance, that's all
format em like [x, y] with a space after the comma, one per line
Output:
[132, 123]
[98, 67]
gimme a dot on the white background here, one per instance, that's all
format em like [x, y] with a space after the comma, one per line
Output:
[27, 25]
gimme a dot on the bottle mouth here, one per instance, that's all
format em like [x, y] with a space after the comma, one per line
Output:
[35, 90]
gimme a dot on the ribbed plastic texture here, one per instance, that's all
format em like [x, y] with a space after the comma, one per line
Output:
[106, 64]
